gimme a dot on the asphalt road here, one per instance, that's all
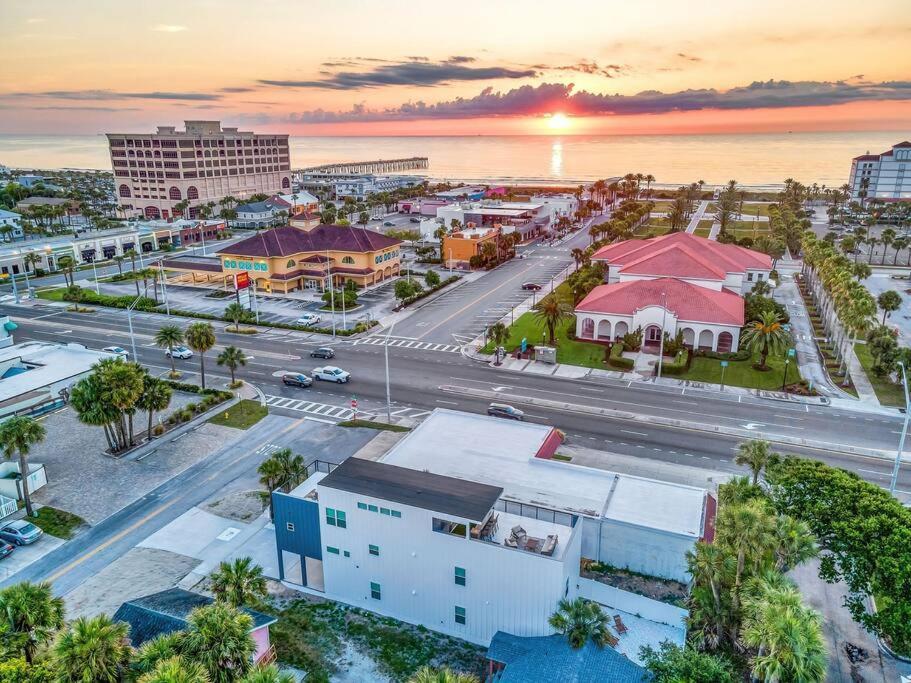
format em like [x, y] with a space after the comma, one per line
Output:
[417, 375]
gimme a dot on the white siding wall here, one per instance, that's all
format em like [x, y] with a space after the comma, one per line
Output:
[506, 589]
[648, 551]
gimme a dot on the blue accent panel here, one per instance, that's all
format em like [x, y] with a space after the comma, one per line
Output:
[304, 516]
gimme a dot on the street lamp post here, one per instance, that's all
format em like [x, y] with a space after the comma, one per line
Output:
[784, 381]
[388, 391]
[901, 440]
[661, 342]
[331, 290]
[164, 288]
[95, 275]
[130, 323]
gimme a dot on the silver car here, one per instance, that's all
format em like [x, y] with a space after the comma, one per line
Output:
[20, 532]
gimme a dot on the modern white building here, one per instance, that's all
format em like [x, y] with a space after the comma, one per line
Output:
[527, 218]
[559, 205]
[357, 186]
[453, 531]
[35, 376]
[886, 176]
[10, 228]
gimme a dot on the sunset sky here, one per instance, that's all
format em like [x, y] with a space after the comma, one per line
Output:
[358, 67]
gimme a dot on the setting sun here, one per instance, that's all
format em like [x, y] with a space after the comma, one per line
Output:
[558, 121]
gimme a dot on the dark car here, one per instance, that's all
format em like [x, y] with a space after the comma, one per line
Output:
[6, 549]
[295, 379]
[389, 224]
[531, 287]
[504, 410]
[415, 220]
[322, 352]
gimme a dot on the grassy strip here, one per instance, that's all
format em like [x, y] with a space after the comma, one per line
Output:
[243, 415]
[571, 351]
[888, 393]
[57, 523]
[702, 232]
[740, 373]
[370, 424]
[561, 457]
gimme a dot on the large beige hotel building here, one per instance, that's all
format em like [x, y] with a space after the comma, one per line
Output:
[204, 163]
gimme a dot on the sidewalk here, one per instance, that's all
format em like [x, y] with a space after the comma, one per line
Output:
[698, 215]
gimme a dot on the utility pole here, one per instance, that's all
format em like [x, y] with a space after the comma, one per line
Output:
[901, 440]
[331, 290]
[661, 343]
[388, 391]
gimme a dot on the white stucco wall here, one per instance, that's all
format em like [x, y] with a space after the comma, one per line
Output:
[706, 335]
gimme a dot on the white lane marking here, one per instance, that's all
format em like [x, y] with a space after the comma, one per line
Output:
[627, 431]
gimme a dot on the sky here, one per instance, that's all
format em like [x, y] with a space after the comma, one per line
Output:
[363, 67]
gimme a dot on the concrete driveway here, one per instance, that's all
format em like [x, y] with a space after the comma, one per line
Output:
[24, 555]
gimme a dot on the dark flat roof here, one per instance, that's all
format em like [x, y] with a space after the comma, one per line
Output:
[451, 496]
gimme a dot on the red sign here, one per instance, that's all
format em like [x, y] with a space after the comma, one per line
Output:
[241, 280]
[354, 403]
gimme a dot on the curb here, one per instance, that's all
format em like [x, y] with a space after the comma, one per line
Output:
[148, 447]
[666, 422]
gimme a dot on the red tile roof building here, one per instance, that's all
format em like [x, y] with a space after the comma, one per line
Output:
[676, 283]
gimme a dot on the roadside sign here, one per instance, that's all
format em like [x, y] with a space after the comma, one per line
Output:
[724, 363]
[524, 344]
[791, 353]
[241, 280]
[354, 403]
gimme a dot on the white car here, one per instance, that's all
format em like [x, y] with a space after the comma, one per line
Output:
[308, 319]
[330, 373]
[117, 351]
[178, 352]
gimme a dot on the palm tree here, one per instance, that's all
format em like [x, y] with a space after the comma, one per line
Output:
[271, 476]
[218, 637]
[201, 337]
[747, 530]
[235, 312]
[794, 542]
[498, 333]
[239, 583]
[292, 468]
[756, 455]
[168, 337]
[176, 670]
[96, 650]
[29, 616]
[444, 675]
[131, 254]
[154, 652]
[67, 264]
[156, 396]
[269, 674]
[580, 620]
[86, 399]
[765, 336]
[17, 436]
[232, 357]
[889, 301]
[551, 312]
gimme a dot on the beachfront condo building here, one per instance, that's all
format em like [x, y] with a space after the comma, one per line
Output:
[886, 176]
[154, 172]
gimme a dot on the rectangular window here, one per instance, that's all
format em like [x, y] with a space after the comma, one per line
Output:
[749, 277]
[330, 549]
[372, 508]
[374, 550]
[460, 615]
[384, 511]
[347, 554]
[460, 576]
[375, 591]
[396, 513]
[289, 526]
[330, 516]
[362, 506]
[335, 518]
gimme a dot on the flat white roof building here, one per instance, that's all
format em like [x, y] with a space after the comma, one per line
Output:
[33, 374]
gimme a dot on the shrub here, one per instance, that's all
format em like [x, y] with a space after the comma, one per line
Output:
[742, 354]
[191, 407]
[677, 366]
[616, 358]
[632, 341]
[158, 430]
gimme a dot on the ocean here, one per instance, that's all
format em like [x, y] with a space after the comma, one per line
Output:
[758, 160]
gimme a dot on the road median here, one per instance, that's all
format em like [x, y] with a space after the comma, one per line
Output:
[746, 434]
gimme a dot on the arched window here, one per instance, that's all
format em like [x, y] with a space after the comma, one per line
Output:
[192, 192]
[124, 191]
[152, 212]
[174, 193]
[291, 263]
[348, 260]
[285, 183]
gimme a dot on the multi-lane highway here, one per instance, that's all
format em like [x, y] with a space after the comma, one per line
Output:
[426, 375]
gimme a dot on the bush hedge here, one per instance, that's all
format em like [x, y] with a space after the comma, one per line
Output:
[677, 366]
[417, 297]
[743, 354]
[616, 358]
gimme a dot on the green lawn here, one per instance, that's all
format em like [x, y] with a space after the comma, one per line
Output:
[741, 229]
[748, 209]
[741, 373]
[889, 394]
[569, 351]
[651, 230]
[663, 206]
[369, 424]
[242, 415]
[57, 522]
[51, 294]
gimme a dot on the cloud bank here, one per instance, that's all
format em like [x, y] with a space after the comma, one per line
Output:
[549, 97]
